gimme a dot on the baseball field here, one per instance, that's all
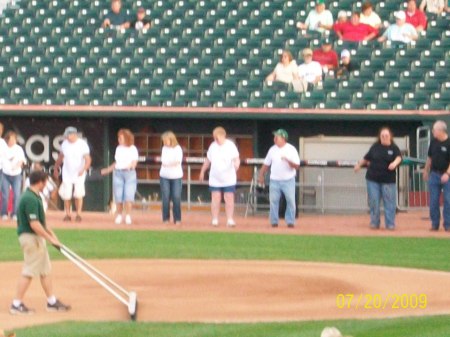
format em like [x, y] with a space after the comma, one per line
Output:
[252, 280]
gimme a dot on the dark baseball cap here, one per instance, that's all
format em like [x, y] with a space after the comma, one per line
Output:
[281, 132]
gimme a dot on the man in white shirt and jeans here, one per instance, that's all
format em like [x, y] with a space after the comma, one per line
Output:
[284, 160]
[76, 160]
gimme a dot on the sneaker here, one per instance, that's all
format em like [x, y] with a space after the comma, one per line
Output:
[14, 217]
[177, 223]
[67, 218]
[274, 225]
[5, 217]
[215, 222]
[78, 218]
[231, 223]
[128, 219]
[118, 219]
[22, 309]
[58, 306]
[290, 225]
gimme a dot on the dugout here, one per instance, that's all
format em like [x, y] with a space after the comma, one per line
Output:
[40, 129]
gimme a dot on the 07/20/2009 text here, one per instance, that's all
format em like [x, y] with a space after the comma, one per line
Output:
[381, 302]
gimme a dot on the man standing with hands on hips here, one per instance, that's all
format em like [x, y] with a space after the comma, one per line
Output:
[76, 160]
[284, 161]
[437, 171]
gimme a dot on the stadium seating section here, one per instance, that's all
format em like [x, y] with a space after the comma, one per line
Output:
[206, 53]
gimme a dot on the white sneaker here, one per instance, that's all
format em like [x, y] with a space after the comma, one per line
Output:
[128, 219]
[231, 223]
[5, 217]
[14, 217]
[118, 220]
[215, 222]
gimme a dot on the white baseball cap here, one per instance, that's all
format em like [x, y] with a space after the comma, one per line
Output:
[342, 14]
[400, 15]
[70, 130]
[345, 53]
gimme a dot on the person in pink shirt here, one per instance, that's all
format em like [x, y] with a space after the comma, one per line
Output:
[355, 31]
[415, 16]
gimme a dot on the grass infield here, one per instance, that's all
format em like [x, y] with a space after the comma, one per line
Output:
[435, 326]
[423, 253]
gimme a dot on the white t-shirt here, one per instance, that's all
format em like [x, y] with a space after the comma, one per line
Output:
[372, 20]
[73, 159]
[313, 19]
[400, 33]
[13, 156]
[124, 156]
[222, 172]
[169, 157]
[285, 73]
[3, 147]
[310, 71]
[280, 169]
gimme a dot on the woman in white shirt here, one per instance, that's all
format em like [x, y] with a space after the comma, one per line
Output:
[286, 70]
[223, 158]
[124, 176]
[369, 17]
[13, 161]
[170, 176]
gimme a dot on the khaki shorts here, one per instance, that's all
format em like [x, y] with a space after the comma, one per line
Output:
[77, 190]
[36, 259]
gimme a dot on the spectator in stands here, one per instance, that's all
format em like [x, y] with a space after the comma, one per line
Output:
[76, 160]
[309, 72]
[141, 22]
[326, 56]
[433, 7]
[283, 160]
[381, 161]
[286, 70]
[400, 31]
[223, 158]
[13, 161]
[346, 66]
[415, 16]
[170, 177]
[369, 17]
[437, 172]
[355, 31]
[124, 176]
[116, 18]
[341, 20]
[319, 19]
[3, 147]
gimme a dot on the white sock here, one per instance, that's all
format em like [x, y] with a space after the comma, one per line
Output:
[16, 303]
[51, 300]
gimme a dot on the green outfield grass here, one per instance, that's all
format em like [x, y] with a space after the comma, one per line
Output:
[425, 253]
[435, 326]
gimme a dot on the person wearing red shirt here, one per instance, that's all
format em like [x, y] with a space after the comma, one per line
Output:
[326, 56]
[355, 31]
[415, 16]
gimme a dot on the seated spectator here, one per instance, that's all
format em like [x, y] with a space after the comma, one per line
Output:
[433, 7]
[415, 16]
[400, 31]
[309, 72]
[369, 17]
[318, 19]
[355, 31]
[326, 56]
[116, 18]
[141, 22]
[346, 66]
[341, 20]
[285, 70]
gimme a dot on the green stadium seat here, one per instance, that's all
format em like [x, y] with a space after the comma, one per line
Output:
[337, 98]
[67, 94]
[91, 94]
[57, 82]
[104, 83]
[387, 74]
[435, 54]
[433, 106]
[428, 85]
[380, 106]
[114, 94]
[81, 83]
[405, 106]
[402, 85]
[367, 96]
[417, 98]
[358, 105]
[391, 97]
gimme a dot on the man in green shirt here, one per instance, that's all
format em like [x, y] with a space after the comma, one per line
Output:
[33, 234]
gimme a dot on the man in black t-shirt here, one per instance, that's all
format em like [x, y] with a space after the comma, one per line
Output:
[437, 171]
[141, 22]
[116, 18]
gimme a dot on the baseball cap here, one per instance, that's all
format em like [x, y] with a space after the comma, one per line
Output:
[282, 133]
[342, 14]
[345, 53]
[320, 2]
[69, 130]
[400, 15]
[141, 10]
[326, 41]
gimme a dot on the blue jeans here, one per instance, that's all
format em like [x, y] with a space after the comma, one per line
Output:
[16, 183]
[171, 191]
[124, 185]
[387, 192]
[435, 187]
[287, 187]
